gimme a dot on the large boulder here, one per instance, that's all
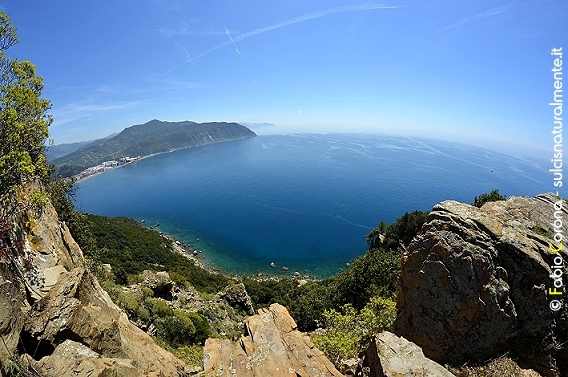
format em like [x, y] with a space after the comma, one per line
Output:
[77, 309]
[74, 359]
[475, 283]
[391, 356]
[237, 296]
[272, 346]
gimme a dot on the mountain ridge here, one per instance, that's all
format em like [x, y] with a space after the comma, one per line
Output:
[149, 138]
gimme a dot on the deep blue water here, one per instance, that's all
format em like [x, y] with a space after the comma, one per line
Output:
[303, 201]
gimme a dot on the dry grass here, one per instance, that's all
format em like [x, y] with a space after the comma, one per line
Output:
[500, 367]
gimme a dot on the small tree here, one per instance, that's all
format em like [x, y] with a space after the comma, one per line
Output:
[493, 196]
[23, 119]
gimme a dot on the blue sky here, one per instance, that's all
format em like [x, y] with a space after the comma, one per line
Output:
[475, 71]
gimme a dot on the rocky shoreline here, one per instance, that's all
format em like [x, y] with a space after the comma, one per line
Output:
[188, 252]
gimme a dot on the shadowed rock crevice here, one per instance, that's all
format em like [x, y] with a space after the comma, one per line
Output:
[35, 347]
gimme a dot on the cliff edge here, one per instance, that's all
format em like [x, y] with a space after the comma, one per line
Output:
[54, 310]
[476, 283]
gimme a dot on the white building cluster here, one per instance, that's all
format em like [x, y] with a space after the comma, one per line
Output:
[105, 166]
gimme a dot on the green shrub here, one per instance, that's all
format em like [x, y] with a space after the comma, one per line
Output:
[264, 293]
[191, 355]
[375, 273]
[493, 196]
[404, 229]
[183, 328]
[348, 332]
[310, 302]
[176, 330]
[158, 307]
[16, 366]
[202, 329]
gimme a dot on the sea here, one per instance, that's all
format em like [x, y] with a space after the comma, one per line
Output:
[301, 202]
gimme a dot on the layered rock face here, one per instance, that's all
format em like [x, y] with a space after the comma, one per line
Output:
[53, 309]
[272, 346]
[475, 283]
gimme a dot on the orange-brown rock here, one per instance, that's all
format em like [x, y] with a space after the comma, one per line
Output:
[272, 346]
[56, 311]
[77, 309]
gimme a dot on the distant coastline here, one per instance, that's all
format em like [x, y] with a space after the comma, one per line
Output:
[148, 139]
[83, 176]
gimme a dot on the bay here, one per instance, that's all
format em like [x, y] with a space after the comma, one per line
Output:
[302, 201]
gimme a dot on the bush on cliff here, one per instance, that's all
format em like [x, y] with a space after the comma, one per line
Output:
[401, 232]
[492, 196]
[183, 328]
[24, 121]
[348, 332]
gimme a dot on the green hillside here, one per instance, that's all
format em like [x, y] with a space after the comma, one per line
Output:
[152, 137]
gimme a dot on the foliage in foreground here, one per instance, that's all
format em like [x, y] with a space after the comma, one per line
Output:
[348, 332]
[17, 366]
[23, 119]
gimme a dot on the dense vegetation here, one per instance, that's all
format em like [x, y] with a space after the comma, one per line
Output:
[131, 249]
[152, 137]
[493, 196]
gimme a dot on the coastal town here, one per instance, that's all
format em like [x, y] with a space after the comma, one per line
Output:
[105, 166]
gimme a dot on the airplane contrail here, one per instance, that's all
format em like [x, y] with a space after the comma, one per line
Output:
[306, 17]
[232, 41]
[490, 13]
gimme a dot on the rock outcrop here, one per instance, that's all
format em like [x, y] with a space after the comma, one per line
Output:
[475, 283]
[272, 346]
[391, 356]
[77, 309]
[237, 296]
[53, 309]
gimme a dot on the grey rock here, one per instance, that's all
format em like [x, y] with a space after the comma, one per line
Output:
[391, 356]
[474, 284]
[237, 296]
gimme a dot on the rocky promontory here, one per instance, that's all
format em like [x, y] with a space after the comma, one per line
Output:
[150, 138]
[476, 283]
[53, 310]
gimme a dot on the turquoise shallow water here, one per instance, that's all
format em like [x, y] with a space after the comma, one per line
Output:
[302, 201]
